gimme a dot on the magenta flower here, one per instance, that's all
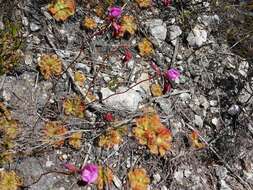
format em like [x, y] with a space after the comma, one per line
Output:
[115, 12]
[172, 74]
[89, 173]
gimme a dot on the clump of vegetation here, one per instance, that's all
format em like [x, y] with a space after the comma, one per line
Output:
[151, 132]
[9, 130]
[75, 140]
[10, 47]
[50, 65]
[61, 10]
[105, 177]
[138, 179]
[74, 106]
[54, 133]
[9, 180]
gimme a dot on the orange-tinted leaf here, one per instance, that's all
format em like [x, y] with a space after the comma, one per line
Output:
[111, 138]
[54, 133]
[138, 179]
[100, 11]
[62, 9]
[194, 137]
[6, 157]
[75, 140]
[128, 24]
[9, 180]
[144, 3]
[74, 106]
[10, 128]
[156, 90]
[105, 177]
[89, 23]
[79, 78]
[145, 47]
[4, 111]
[151, 132]
[160, 142]
[50, 65]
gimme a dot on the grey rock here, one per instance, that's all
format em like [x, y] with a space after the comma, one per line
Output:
[126, 101]
[156, 177]
[243, 68]
[25, 21]
[34, 27]
[6, 94]
[157, 29]
[28, 59]
[224, 185]
[174, 32]
[1, 25]
[185, 96]
[36, 40]
[203, 101]
[198, 121]
[164, 187]
[208, 20]
[234, 110]
[213, 103]
[221, 172]
[197, 37]
[31, 169]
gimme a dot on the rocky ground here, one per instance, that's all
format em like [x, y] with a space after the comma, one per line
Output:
[209, 42]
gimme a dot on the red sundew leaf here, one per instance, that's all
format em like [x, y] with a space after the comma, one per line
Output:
[72, 168]
[108, 117]
[128, 56]
[155, 68]
[167, 3]
[166, 88]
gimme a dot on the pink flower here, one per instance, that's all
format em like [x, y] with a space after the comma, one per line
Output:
[115, 12]
[172, 74]
[89, 173]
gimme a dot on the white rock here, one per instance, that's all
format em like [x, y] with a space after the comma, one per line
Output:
[126, 101]
[198, 121]
[157, 177]
[174, 32]
[197, 37]
[49, 163]
[25, 21]
[117, 182]
[6, 95]
[234, 110]
[179, 176]
[1, 25]
[213, 103]
[185, 96]
[28, 59]
[34, 27]
[216, 121]
[164, 187]
[243, 68]
[159, 32]
[143, 87]
[157, 29]
[224, 185]
[208, 20]
[203, 101]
